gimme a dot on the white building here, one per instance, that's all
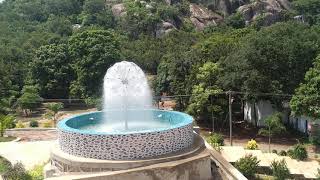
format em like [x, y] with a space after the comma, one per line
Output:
[262, 109]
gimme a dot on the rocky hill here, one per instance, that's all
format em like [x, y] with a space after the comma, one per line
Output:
[202, 14]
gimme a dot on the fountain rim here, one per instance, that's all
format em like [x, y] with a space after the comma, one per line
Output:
[62, 125]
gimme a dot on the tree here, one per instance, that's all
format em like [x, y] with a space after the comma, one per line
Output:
[51, 71]
[204, 98]
[274, 126]
[59, 25]
[96, 13]
[306, 100]
[236, 21]
[272, 60]
[29, 100]
[310, 10]
[54, 108]
[139, 20]
[92, 52]
[6, 121]
[146, 52]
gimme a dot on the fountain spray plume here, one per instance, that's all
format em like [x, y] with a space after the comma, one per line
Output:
[126, 95]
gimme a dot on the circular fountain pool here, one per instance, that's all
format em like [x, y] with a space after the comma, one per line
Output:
[91, 136]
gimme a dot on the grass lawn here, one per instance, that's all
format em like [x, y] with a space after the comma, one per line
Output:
[6, 139]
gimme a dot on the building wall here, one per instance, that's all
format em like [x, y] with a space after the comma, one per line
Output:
[265, 108]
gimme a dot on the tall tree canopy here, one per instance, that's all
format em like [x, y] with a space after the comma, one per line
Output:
[306, 100]
[92, 53]
[273, 59]
[51, 71]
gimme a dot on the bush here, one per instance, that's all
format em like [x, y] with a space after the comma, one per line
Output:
[37, 172]
[282, 153]
[20, 125]
[216, 138]
[34, 123]
[299, 152]
[275, 151]
[252, 144]
[247, 165]
[94, 102]
[16, 172]
[47, 124]
[4, 165]
[280, 170]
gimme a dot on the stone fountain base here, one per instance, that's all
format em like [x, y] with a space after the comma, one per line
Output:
[193, 162]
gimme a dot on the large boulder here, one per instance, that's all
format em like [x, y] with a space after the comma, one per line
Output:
[164, 28]
[269, 11]
[222, 6]
[118, 10]
[202, 17]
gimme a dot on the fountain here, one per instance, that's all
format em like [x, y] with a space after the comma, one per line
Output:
[128, 133]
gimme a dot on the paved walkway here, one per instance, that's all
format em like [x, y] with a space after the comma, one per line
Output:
[28, 153]
[33, 135]
[307, 168]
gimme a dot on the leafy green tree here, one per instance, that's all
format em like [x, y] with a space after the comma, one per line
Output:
[59, 25]
[176, 63]
[6, 121]
[93, 6]
[53, 108]
[146, 52]
[274, 126]
[29, 100]
[272, 60]
[92, 52]
[310, 9]
[204, 94]
[63, 7]
[96, 13]
[236, 21]
[306, 100]
[139, 20]
[51, 71]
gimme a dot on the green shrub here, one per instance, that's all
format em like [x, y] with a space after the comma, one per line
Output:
[34, 123]
[299, 152]
[47, 125]
[280, 170]
[252, 144]
[20, 125]
[16, 172]
[282, 153]
[94, 102]
[315, 138]
[37, 172]
[4, 165]
[216, 146]
[247, 165]
[274, 151]
[216, 138]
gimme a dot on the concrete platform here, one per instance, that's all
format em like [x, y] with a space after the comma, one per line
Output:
[64, 163]
[196, 167]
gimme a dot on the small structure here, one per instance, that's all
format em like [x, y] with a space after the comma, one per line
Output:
[256, 113]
